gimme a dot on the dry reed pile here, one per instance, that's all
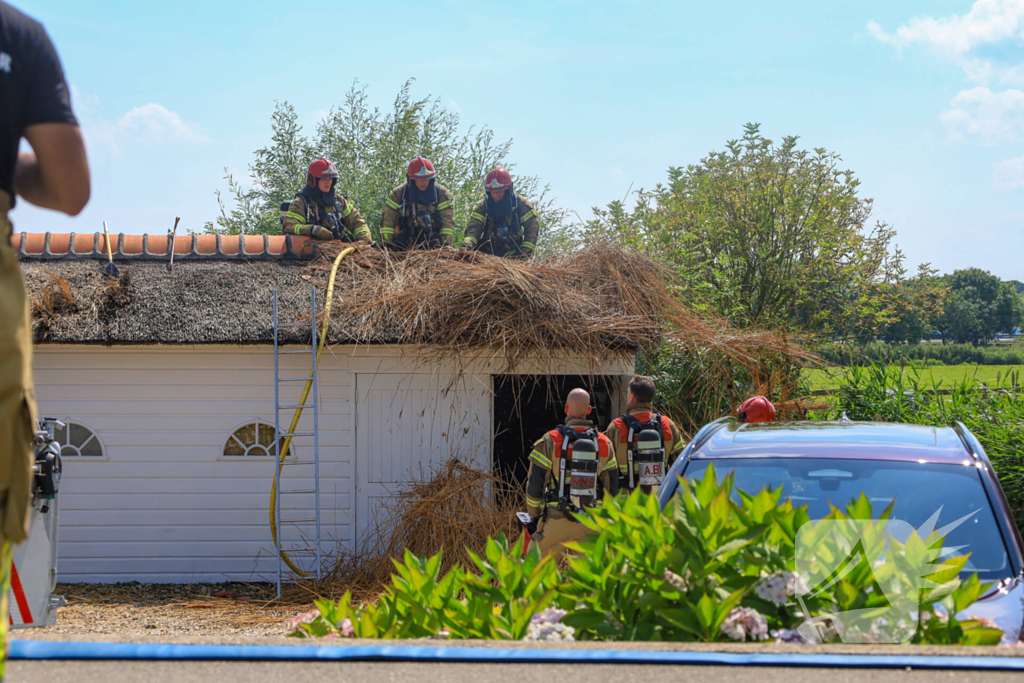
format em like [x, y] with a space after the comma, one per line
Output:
[454, 509]
[589, 302]
[55, 300]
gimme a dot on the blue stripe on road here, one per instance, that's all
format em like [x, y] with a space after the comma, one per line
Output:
[33, 649]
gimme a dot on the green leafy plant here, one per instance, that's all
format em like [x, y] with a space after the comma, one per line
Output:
[716, 564]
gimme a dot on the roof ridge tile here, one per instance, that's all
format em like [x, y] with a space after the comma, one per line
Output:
[146, 247]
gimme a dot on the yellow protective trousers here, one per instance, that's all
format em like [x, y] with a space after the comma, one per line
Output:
[17, 400]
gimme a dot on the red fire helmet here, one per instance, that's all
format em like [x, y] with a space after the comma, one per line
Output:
[420, 168]
[320, 168]
[498, 179]
[756, 409]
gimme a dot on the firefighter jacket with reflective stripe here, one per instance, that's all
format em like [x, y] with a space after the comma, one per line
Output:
[483, 234]
[300, 219]
[545, 459]
[618, 431]
[400, 215]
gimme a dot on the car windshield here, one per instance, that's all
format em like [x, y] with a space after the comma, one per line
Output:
[919, 489]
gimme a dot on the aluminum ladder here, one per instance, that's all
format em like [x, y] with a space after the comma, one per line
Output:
[293, 517]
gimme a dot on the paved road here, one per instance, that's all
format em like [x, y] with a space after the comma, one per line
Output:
[388, 672]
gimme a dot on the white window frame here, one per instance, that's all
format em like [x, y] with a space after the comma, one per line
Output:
[77, 455]
[246, 457]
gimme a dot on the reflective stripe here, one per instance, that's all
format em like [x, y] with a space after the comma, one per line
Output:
[534, 503]
[678, 447]
[611, 465]
[539, 458]
[442, 205]
[478, 216]
[472, 239]
[362, 229]
[387, 231]
[529, 245]
[348, 210]
[528, 215]
[393, 204]
[297, 228]
[289, 214]
[447, 232]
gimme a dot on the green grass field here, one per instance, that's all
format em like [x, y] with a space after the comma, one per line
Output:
[947, 374]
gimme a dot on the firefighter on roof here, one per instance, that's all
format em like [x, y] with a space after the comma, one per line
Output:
[570, 468]
[646, 443]
[317, 212]
[419, 212]
[503, 223]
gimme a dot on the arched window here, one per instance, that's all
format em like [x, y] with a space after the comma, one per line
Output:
[77, 440]
[253, 440]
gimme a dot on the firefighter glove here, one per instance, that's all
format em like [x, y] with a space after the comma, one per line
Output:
[322, 233]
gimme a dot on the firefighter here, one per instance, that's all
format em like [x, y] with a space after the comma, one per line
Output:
[570, 467]
[419, 211]
[756, 409]
[646, 443]
[504, 223]
[35, 104]
[317, 212]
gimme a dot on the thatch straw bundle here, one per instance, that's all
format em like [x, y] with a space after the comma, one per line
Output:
[454, 508]
[587, 303]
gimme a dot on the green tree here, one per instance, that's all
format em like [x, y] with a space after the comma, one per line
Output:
[768, 235]
[979, 306]
[372, 150]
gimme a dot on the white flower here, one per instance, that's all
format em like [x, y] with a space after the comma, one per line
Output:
[443, 634]
[551, 615]
[786, 635]
[680, 583]
[550, 631]
[304, 618]
[345, 626]
[743, 622]
[778, 587]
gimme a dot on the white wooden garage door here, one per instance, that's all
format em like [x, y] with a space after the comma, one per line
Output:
[409, 424]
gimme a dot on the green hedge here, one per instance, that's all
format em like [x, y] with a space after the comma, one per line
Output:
[910, 354]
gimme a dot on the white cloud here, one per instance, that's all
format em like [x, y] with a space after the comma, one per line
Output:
[986, 115]
[1009, 174]
[955, 37]
[156, 123]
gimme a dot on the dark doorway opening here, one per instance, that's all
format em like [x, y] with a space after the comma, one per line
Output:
[527, 406]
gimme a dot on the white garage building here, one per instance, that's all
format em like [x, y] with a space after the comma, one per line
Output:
[167, 385]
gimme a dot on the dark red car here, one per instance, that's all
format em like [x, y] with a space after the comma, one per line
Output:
[924, 469]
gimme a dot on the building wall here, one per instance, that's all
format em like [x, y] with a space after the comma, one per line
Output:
[165, 505]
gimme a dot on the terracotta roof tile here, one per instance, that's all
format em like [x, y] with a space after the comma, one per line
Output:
[49, 246]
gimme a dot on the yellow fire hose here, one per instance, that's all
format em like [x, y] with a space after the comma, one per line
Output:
[298, 411]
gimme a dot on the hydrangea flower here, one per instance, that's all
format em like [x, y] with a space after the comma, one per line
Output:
[786, 635]
[547, 625]
[743, 622]
[304, 618]
[680, 583]
[778, 587]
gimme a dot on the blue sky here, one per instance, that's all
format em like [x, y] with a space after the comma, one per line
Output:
[923, 100]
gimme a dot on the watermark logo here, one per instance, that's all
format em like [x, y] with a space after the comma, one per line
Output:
[868, 577]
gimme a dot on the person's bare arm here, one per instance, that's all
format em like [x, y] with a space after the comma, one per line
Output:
[55, 175]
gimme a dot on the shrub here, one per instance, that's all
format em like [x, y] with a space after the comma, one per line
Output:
[716, 564]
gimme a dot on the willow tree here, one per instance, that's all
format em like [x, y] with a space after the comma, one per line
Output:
[372, 149]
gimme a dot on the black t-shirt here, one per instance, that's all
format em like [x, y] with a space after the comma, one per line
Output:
[32, 86]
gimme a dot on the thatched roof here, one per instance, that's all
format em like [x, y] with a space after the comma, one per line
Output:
[590, 303]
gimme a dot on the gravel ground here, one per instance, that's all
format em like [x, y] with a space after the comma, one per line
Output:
[161, 610]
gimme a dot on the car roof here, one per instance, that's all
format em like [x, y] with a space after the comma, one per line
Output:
[843, 440]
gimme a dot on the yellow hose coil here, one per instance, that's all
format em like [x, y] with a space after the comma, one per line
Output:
[298, 411]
